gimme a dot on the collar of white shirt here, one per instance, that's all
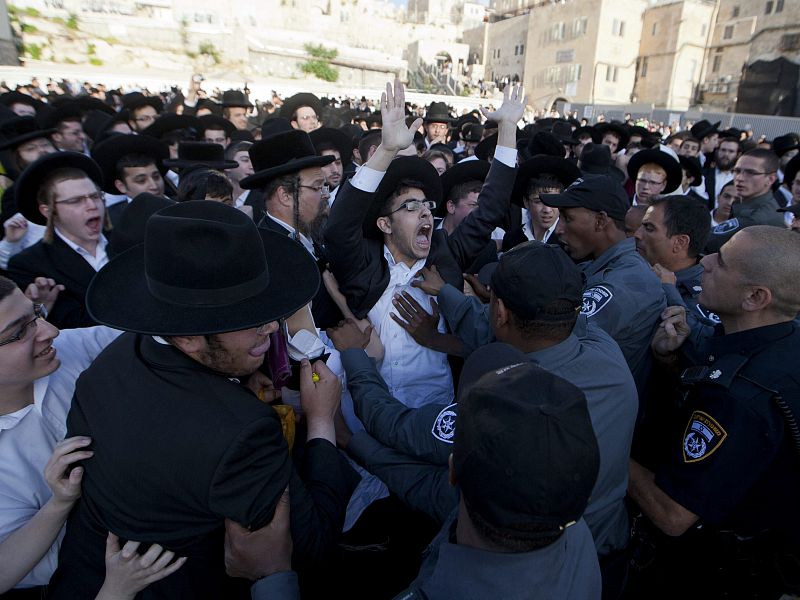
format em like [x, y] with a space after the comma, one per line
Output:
[307, 243]
[400, 272]
[528, 231]
[100, 257]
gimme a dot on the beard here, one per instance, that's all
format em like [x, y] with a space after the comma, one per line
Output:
[725, 164]
[316, 227]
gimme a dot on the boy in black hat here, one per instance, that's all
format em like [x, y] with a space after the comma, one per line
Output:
[303, 111]
[335, 143]
[198, 324]
[437, 122]
[235, 106]
[216, 130]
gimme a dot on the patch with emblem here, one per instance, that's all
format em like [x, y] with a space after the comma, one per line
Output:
[726, 226]
[594, 299]
[444, 427]
[702, 437]
[708, 315]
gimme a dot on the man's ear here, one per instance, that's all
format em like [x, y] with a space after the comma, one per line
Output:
[501, 313]
[451, 208]
[385, 225]
[284, 197]
[757, 298]
[680, 243]
[121, 186]
[189, 344]
[451, 471]
[44, 210]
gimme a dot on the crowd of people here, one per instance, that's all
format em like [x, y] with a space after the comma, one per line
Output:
[331, 350]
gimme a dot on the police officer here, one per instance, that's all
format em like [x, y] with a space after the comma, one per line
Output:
[622, 293]
[725, 488]
[534, 307]
[673, 232]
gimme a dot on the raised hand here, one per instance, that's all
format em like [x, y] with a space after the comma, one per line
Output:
[15, 228]
[514, 102]
[395, 135]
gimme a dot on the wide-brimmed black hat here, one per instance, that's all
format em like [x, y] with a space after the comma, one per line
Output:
[32, 177]
[200, 154]
[208, 104]
[563, 132]
[704, 128]
[96, 123]
[67, 111]
[790, 172]
[215, 122]
[438, 112]
[542, 142]
[290, 105]
[136, 100]
[15, 97]
[18, 130]
[274, 126]
[691, 164]
[333, 137]
[616, 128]
[467, 170]
[129, 231]
[233, 98]
[109, 152]
[170, 122]
[203, 268]
[664, 160]
[783, 143]
[284, 153]
[485, 148]
[404, 168]
[471, 132]
[595, 159]
[562, 170]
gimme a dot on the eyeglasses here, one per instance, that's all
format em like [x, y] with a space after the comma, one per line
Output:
[324, 189]
[750, 172]
[413, 206]
[144, 119]
[308, 118]
[39, 312]
[96, 198]
[649, 182]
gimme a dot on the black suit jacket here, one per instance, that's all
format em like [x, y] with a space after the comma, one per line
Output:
[60, 262]
[358, 262]
[178, 448]
[115, 212]
[323, 308]
[710, 177]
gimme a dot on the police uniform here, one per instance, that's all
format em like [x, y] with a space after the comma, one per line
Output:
[761, 210]
[686, 292]
[732, 460]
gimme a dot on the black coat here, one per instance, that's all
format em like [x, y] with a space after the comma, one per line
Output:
[178, 448]
[323, 308]
[60, 262]
[358, 262]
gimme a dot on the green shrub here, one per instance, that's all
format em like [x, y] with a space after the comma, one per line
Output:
[72, 22]
[32, 12]
[209, 49]
[28, 28]
[321, 52]
[320, 69]
[33, 50]
[97, 62]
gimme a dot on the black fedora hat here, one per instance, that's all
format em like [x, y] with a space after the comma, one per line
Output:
[89, 103]
[32, 177]
[284, 153]
[97, 122]
[108, 153]
[783, 143]
[327, 136]
[136, 100]
[664, 160]
[200, 154]
[216, 123]
[585, 130]
[595, 159]
[18, 130]
[203, 268]
[562, 170]
[67, 111]
[437, 112]
[486, 146]
[471, 132]
[601, 129]
[15, 97]
[234, 98]
[274, 126]
[790, 172]
[129, 231]
[704, 128]
[208, 104]
[542, 142]
[290, 105]
[691, 164]
[402, 169]
[170, 122]
[467, 170]
[563, 132]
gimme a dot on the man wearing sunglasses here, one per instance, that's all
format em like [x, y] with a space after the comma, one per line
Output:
[38, 368]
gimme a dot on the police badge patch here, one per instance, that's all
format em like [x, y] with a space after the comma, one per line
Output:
[594, 299]
[444, 427]
[702, 437]
[726, 226]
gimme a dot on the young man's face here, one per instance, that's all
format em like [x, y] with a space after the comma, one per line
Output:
[137, 180]
[238, 116]
[306, 119]
[70, 136]
[541, 215]
[652, 241]
[710, 143]
[751, 178]
[612, 141]
[245, 168]
[726, 155]
[142, 118]
[78, 211]
[32, 356]
[650, 181]
[689, 148]
[333, 171]
[436, 132]
[216, 136]
[29, 151]
[459, 211]
[722, 281]
[408, 233]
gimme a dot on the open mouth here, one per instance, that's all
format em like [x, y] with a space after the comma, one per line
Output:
[49, 351]
[423, 237]
[260, 350]
[95, 224]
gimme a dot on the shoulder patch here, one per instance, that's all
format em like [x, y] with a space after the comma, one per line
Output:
[702, 437]
[594, 299]
[444, 427]
[708, 315]
[726, 226]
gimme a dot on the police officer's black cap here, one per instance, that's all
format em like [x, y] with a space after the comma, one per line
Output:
[525, 455]
[600, 193]
[533, 276]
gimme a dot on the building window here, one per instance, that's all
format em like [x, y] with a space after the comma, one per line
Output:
[516, 50]
[728, 33]
[735, 12]
[768, 7]
[521, 49]
[618, 28]
[703, 30]
[790, 41]
[611, 73]
[655, 28]
[716, 64]
[643, 70]
[579, 26]
[779, 6]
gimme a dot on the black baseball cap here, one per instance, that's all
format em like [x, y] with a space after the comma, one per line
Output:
[525, 454]
[532, 276]
[600, 193]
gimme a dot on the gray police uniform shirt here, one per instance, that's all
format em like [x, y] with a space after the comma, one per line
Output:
[588, 358]
[761, 210]
[686, 292]
[567, 568]
[625, 297]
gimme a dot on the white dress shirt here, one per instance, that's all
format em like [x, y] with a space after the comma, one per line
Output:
[100, 258]
[28, 436]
